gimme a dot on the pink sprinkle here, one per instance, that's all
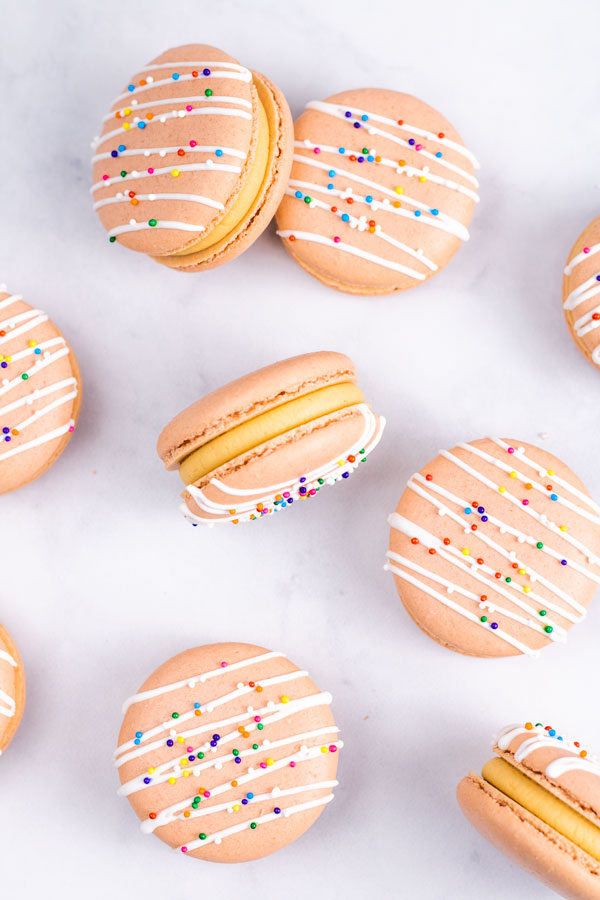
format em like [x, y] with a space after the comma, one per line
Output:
[263, 765]
[189, 108]
[192, 143]
[184, 849]
[510, 450]
[286, 494]
[292, 764]
[104, 177]
[336, 239]
[332, 748]
[418, 146]
[317, 150]
[525, 502]
[257, 718]
[189, 749]
[150, 171]
[223, 665]
[71, 428]
[312, 492]
[207, 794]
[586, 249]
[264, 511]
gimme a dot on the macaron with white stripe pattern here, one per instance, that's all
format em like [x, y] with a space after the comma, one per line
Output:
[538, 802]
[192, 158]
[228, 752]
[495, 548]
[581, 292]
[381, 194]
[40, 392]
[12, 689]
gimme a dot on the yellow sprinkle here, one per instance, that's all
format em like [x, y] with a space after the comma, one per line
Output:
[33, 343]
[126, 126]
[323, 749]
[180, 740]
[513, 474]
[422, 178]
[465, 551]
[340, 462]
[522, 572]
[1, 358]
[236, 808]
[270, 761]
[127, 112]
[563, 527]
[172, 780]
[502, 489]
[151, 771]
[9, 359]
[175, 173]
[399, 190]
[550, 471]
[285, 699]
[186, 773]
[182, 762]
[526, 589]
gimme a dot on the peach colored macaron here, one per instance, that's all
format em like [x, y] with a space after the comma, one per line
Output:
[581, 292]
[228, 752]
[538, 802]
[40, 392]
[381, 194]
[270, 439]
[495, 548]
[12, 689]
[192, 158]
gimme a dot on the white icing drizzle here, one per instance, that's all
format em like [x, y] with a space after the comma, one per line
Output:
[331, 472]
[191, 198]
[8, 705]
[176, 114]
[337, 110]
[540, 739]
[316, 238]
[579, 258]
[441, 221]
[169, 101]
[17, 326]
[244, 75]
[162, 151]
[583, 292]
[221, 64]
[162, 223]
[167, 170]
[408, 171]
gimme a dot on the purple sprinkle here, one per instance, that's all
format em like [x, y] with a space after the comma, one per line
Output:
[245, 802]
[5, 430]
[147, 780]
[357, 125]
[302, 490]
[302, 480]
[411, 142]
[216, 737]
[206, 71]
[238, 759]
[348, 114]
[191, 758]
[494, 625]
[345, 474]
[213, 743]
[480, 509]
[169, 743]
[563, 562]
[276, 810]
[484, 518]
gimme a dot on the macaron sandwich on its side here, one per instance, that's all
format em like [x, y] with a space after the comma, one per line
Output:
[538, 802]
[495, 548]
[228, 752]
[270, 439]
[192, 159]
[381, 194]
[581, 292]
[12, 689]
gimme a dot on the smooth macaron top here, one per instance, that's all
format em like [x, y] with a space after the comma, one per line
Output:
[228, 752]
[564, 767]
[381, 194]
[495, 548]
[12, 688]
[581, 292]
[175, 149]
[39, 392]
[247, 397]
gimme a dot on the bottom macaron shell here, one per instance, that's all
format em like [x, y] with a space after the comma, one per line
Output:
[528, 841]
[288, 469]
[294, 763]
[12, 689]
[581, 293]
[281, 136]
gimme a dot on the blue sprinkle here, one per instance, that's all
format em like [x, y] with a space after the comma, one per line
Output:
[332, 173]
[250, 795]
[37, 351]
[121, 148]
[439, 154]
[329, 187]
[552, 732]
[196, 706]
[141, 124]
[218, 153]
[434, 212]
[559, 738]
[137, 741]
[553, 497]
[131, 87]
[138, 734]
[365, 118]
[368, 198]
[370, 158]
[348, 114]
[417, 212]
[357, 125]
[341, 150]
[345, 217]
[298, 194]
[175, 76]
[467, 510]
[114, 153]
[283, 503]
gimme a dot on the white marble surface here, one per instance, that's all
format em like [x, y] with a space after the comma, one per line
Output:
[100, 578]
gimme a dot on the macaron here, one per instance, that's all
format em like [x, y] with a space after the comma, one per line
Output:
[381, 194]
[270, 439]
[192, 158]
[228, 752]
[538, 802]
[12, 689]
[581, 292]
[495, 548]
[40, 392]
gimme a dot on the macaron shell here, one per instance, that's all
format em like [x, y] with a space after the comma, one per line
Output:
[12, 683]
[311, 176]
[268, 837]
[528, 841]
[579, 788]
[430, 523]
[280, 463]
[234, 128]
[581, 293]
[23, 467]
[281, 135]
[248, 396]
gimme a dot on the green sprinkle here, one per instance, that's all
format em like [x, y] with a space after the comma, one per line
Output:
[151, 222]
[508, 579]
[24, 376]
[208, 92]
[538, 724]
[252, 824]
[236, 752]
[112, 238]
[255, 746]
[321, 480]
[483, 619]
[307, 199]
[202, 836]
[548, 629]
[174, 715]
[260, 726]
[361, 451]
[200, 755]
[197, 799]
[539, 545]
[542, 612]
[123, 173]
[365, 150]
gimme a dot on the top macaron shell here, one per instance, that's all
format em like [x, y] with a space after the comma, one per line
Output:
[12, 689]
[184, 131]
[493, 564]
[403, 195]
[40, 392]
[581, 292]
[294, 730]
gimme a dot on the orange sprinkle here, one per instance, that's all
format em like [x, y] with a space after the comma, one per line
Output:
[528, 726]
[432, 550]
[149, 116]
[583, 753]
[234, 784]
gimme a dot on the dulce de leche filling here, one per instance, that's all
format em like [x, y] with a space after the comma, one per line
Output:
[543, 804]
[266, 426]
